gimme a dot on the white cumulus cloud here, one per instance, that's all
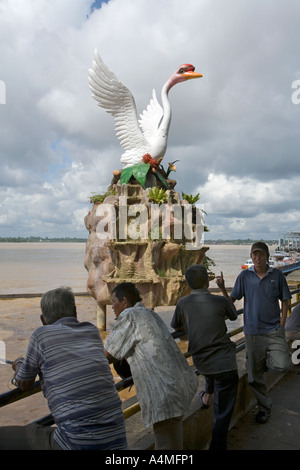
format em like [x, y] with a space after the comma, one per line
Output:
[235, 131]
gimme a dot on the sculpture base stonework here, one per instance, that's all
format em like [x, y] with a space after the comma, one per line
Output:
[156, 267]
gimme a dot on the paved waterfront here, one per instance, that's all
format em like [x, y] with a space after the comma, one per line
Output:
[21, 316]
[282, 431]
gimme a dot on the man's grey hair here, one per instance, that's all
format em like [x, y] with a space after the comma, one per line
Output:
[58, 303]
[196, 276]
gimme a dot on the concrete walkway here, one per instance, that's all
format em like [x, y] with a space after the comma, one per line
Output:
[282, 431]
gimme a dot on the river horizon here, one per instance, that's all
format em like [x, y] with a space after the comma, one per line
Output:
[28, 268]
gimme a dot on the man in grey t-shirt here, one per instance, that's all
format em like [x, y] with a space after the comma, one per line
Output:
[202, 315]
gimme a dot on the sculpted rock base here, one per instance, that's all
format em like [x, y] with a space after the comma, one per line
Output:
[157, 267]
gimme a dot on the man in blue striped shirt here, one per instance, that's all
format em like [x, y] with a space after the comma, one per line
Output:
[76, 380]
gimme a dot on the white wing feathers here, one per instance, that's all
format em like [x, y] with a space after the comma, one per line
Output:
[151, 117]
[117, 100]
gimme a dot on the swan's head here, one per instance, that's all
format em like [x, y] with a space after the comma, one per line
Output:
[183, 73]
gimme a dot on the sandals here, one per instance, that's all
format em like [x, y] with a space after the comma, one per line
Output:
[203, 405]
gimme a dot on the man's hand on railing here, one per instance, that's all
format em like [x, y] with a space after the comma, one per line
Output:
[17, 363]
[16, 366]
[25, 386]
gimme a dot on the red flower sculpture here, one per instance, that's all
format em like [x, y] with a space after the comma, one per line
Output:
[148, 159]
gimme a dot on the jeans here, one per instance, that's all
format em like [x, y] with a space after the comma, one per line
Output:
[224, 387]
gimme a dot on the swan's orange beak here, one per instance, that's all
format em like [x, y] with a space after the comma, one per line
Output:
[188, 75]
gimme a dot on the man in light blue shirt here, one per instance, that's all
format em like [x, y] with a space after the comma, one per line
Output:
[262, 287]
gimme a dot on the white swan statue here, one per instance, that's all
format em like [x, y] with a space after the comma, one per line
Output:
[149, 135]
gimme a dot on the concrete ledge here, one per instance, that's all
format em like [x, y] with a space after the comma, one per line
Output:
[197, 424]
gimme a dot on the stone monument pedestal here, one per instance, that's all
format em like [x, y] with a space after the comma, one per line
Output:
[123, 247]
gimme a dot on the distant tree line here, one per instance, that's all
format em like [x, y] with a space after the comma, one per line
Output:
[41, 239]
[239, 241]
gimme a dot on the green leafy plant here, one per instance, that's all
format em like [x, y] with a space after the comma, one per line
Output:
[99, 198]
[157, 195]
[140, 171]
[190, 198]
[161, 273]
[162, 179]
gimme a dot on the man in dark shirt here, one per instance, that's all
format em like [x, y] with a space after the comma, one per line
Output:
[263, 289]
[202, 315]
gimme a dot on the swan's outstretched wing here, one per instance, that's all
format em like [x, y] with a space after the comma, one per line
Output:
[151, 118]
[117, 100]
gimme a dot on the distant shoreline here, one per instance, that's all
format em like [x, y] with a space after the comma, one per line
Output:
[239, 242]
[83, 240]
[41, 240]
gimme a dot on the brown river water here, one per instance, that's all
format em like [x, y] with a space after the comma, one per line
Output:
[36, 268]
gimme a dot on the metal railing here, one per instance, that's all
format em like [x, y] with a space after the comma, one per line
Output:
[15, 395]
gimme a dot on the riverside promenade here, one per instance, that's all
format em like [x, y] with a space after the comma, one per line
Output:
[282, 431]
[19, 317]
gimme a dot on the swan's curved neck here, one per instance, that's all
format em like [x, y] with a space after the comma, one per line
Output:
[166, 120]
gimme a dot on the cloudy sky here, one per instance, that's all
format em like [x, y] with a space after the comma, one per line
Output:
[235, 132]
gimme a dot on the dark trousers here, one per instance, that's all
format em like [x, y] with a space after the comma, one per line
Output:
[30, 437]
[224, 387]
